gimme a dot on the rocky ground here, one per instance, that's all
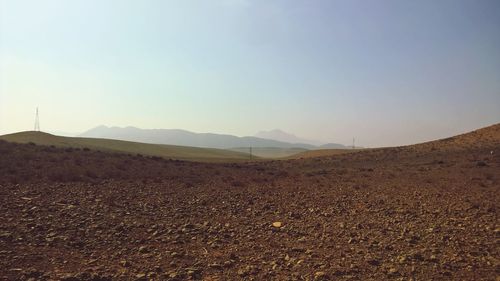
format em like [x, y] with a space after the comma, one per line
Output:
[424, 212]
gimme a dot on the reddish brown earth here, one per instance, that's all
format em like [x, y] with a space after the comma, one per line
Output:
[423, 212]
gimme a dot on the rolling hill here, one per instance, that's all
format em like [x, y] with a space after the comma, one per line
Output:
[483, 137]
[166, 151]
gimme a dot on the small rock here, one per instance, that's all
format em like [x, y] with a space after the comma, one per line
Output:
[392, 271]
[433, 258]
[402, 259]
[244, 271]
[215, 266]
[68, 277]
[175, 255]
[193, 272]
[320, 275]
[277, 224]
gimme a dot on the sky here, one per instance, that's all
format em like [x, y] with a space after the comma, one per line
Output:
[387, 72]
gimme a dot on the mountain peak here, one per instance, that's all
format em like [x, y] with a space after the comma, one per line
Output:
[277, 132]
[280, 135]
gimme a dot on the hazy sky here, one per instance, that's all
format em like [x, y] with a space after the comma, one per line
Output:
[386, 72]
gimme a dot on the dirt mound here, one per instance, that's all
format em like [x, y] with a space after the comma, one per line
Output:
[387, 214]
[482, 138]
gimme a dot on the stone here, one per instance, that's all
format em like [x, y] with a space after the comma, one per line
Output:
[392, 271]
[215, 266]
[320, 275]
[244, 271]
[402, 259]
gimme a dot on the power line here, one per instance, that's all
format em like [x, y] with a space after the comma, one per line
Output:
[37, 121]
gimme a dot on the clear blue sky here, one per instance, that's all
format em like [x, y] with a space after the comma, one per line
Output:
[387, 72]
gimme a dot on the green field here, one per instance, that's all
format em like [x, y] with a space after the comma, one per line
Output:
[270, 152]
[165, 151]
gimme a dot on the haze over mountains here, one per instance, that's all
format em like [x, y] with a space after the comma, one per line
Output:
[280, 135]
[275, 138]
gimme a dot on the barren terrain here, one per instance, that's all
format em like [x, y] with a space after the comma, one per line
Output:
[423, 212]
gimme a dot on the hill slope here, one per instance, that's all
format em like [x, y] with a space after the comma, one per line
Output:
[166, 151]
[487, 137]
[484, 137]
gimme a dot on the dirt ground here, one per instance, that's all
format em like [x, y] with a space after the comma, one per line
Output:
[423, 212]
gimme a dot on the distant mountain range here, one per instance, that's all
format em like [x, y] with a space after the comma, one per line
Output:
[275, 138]
[279, 135]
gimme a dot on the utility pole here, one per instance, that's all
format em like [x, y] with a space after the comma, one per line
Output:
[250, 153]
[37, 121]
[353, 146]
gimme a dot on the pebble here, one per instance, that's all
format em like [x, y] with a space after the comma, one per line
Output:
[320, 275]
[392, 271]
